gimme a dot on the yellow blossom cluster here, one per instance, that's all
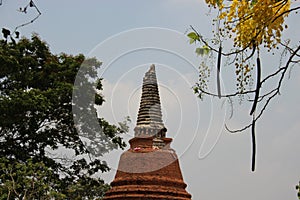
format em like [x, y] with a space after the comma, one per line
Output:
[253, 22]
[214, 3]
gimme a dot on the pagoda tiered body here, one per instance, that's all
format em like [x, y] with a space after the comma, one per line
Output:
[150, 168]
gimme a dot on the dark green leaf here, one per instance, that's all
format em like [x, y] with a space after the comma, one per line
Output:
[5, 32]
[17, 34]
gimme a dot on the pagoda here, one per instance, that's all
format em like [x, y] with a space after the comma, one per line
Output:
[150, 168]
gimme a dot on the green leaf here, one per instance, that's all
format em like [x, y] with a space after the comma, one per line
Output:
[193, 37]
[201, 51]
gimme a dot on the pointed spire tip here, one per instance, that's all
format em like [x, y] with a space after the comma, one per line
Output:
[152, 68]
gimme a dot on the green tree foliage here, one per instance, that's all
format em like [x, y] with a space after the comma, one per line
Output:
[42, 153]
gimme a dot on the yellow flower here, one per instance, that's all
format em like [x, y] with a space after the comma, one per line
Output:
[247, 21]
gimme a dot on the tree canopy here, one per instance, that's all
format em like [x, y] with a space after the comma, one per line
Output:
[247, 33]
[44, 153]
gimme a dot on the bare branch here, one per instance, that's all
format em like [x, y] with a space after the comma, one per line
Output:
[31, 4]
[261, 98]
[238, 130]
[285, 12]
[279, 82]
[275, 92]
[227, 95]
[253, 51]
[273, 74]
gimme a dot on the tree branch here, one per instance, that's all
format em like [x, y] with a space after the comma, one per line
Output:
[275, 92]
[226, 95]
[31, 4]
[283, 13]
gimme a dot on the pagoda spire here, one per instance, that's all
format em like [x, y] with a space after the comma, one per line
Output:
[149, 120]
[149, 169]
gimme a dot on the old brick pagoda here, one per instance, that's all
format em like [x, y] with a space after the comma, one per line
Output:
[150, 168]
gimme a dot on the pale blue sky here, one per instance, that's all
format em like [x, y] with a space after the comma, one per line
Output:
[115, 32]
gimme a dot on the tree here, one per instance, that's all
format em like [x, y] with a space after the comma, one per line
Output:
[44, 152]
[252, 29]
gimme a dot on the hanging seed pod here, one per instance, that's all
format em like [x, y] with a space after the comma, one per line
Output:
[257, 86]
[218, 71]
[253, 145]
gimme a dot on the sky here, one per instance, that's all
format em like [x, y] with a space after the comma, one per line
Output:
[129, 36]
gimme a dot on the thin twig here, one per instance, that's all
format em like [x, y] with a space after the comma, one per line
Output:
[287, 11]
[276, 92]
[237, 130]
[32, 4]
[227, 95]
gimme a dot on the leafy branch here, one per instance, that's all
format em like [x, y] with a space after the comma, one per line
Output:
[263, 33]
